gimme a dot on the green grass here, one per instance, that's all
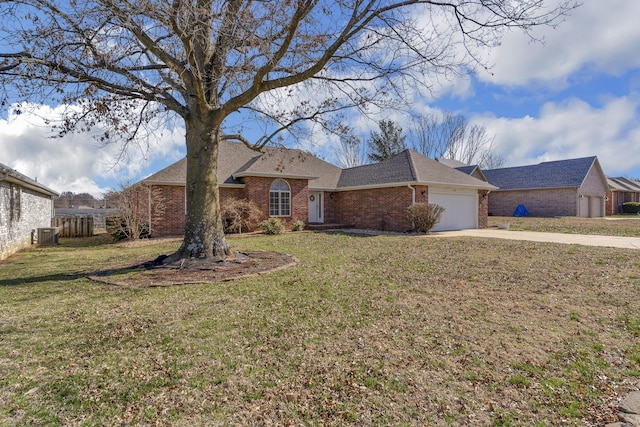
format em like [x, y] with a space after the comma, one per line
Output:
[380, 330]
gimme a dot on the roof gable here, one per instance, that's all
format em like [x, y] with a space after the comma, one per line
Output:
[556, 174]
[236, 160]
[291, 163]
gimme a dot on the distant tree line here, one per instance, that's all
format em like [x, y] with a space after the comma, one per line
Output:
[70, 200]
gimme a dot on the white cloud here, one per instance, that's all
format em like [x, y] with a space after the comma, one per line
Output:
[75, 162]
[572, 129]
[602, 35]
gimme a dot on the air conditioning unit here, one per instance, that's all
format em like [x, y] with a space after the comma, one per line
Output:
[48, 236]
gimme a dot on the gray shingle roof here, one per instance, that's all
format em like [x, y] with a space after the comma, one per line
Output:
[12, 175]
[557, 174]
[623, 184]
[291, 163]
[452, 163]
[404, 168]
[237, 160]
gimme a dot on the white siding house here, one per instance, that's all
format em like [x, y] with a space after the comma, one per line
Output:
[25, 205]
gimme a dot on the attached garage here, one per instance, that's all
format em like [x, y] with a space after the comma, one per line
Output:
[460, 208]
[591, 206]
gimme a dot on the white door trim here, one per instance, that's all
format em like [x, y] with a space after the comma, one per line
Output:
[316, 207]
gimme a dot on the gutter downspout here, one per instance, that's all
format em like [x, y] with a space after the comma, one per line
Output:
[413, 194]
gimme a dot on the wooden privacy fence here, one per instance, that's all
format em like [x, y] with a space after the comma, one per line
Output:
[77, 226]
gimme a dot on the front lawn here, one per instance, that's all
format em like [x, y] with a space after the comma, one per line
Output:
[376, 330]
[617, 225]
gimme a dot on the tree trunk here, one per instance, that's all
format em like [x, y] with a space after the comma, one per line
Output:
[204, 234]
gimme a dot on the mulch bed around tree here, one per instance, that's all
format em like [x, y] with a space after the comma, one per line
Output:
[236, 266]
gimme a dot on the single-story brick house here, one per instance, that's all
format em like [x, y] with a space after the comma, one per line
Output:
[295, 185]
[25, 205]
[574, 187]
[621, 190]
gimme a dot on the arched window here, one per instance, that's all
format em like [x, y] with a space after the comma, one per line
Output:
[279, 198]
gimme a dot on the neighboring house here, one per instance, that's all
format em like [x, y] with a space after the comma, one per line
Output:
[574, 187]
[473, 170]
[621, 190]
[294, 185]
[25, 205]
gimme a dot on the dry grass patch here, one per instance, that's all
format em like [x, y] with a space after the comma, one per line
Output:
[619, 225]
[382, 330]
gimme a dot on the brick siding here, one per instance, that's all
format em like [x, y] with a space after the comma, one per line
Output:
[35, 211]
[172, 223]
[550, 202]
[483, 209]
[257, 189]
[593, 185]
[615, 200]
[377, 209]
[554, 202]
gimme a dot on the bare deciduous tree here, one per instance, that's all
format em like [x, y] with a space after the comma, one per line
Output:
[451, 136]
[351, 152]
[215, 65]
[134, 219]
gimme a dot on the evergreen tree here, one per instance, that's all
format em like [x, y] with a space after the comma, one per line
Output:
[387, 143]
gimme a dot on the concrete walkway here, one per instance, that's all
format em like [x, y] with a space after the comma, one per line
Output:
[534, 236]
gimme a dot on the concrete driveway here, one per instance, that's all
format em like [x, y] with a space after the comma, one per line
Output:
[534, 236]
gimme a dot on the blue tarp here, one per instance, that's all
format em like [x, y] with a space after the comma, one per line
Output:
[521, 211]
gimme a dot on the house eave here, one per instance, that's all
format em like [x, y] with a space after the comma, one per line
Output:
[182, 184]
[32, 187]
[573, 187]
[273, 175]
[488, 187]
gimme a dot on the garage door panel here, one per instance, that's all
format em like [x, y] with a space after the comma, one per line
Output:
[461, 210]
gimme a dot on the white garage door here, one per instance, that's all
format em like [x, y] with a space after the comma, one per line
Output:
[460, 208]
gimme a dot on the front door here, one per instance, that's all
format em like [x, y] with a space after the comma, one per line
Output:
[315, 207]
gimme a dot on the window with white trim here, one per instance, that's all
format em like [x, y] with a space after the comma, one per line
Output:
[279, 198]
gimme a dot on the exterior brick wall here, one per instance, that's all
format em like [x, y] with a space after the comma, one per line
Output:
[257, 189]
[483, 209]
[378, 209]
[593, 185]
[553, 202]
[172, 222]
[35, 211]
[422, 193]
[612, 204]
[331, 207]
[615, 200]
[594, 191]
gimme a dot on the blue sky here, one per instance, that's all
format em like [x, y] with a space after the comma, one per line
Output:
[575, 95]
